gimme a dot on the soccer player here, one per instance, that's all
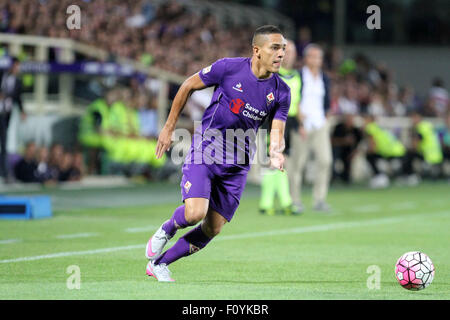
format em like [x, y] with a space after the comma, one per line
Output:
[246, 92]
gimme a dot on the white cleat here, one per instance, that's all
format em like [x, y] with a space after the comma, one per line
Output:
[156, 244]
[160, 271]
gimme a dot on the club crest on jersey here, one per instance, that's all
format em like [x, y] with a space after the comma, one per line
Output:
[206, 70]
[187, 186]
[270, 97]
[238, 87]
[236, 105]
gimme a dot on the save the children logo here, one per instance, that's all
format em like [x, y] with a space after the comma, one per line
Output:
[236, 105]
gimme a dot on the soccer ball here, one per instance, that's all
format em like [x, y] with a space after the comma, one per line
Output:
[414, 270]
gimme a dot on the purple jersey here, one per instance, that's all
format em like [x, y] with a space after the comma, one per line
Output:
[240, 104]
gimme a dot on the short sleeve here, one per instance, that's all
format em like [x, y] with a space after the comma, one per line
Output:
[213, 74]
[284, 103]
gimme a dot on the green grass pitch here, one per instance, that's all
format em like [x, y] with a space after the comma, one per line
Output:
[313, 256]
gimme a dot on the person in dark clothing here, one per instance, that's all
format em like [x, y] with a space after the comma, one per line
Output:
[345, 139]
[78, 168]
[55, 160]
[25, 169]
[10, 91]
[68, 172]
[43, 172]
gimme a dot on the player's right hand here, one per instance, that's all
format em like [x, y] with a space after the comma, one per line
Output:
[164, 141]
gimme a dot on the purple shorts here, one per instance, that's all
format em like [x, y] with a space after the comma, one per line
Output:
[222, 185]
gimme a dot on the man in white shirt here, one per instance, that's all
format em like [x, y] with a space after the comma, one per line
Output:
[313, 133]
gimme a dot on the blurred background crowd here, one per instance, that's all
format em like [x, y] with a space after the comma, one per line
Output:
[121, 118]
[172, 38]
[163, 33]
[48, 166]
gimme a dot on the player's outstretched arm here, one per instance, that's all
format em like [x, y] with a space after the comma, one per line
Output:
[277, 145]
[165, 137]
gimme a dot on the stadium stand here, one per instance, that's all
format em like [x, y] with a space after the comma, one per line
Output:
[181, 37]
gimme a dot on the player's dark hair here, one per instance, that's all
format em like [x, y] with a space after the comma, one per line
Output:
[266, 29]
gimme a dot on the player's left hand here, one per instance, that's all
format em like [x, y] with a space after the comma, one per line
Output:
[277, 161]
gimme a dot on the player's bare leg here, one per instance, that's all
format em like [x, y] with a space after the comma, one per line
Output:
[213, 223]
[190, 243]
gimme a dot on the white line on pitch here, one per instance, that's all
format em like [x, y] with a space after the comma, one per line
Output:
[73, 253]
[76, 235]
[314, 228]
[8, 241]
[404, 205]
[141, 229]
[323, 227]
[440, 202]
[366, 209]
